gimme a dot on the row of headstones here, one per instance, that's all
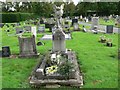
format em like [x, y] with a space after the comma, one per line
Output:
[95, 26]
[27, 48]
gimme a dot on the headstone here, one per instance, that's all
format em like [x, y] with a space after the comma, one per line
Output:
[84, 29]
[19, 30]
[66, 25]
[41, 21]
[59, 41]
[89, 18]
[27, 28]
[41, 29]
[74, 21]
[51, 26]
[1, 25]
[0, 53]
[76, 27]
[81, 17]
[109, 29]
[27, 47]
[33, 31]
[6, 51]
[47, 25]
[53, 29]
[95, 23]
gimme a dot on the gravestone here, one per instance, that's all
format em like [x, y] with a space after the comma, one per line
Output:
[19, 30]
[41, 29]
[58, 39]
[51, 26]
[6, 51]
[47, 25]
[41, 21]
[76, 27]
[1, 25]
[53, 29]
[33, 31]
[66, 25]
[109, 29]
[74, 21]
[27, 47]
[27, 28]
[95, 23]
[0, 53]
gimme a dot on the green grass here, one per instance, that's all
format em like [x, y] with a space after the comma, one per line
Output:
[98, 62]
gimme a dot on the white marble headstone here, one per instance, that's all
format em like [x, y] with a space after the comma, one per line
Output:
[33, 31]
[76, 26]
[95, 22]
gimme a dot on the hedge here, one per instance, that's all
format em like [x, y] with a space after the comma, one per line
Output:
[15, 17]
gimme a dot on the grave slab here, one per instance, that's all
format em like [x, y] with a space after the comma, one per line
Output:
[49, 37]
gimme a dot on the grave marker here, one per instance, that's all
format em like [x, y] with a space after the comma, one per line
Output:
[27, 47]
[19, 30]
[109, 29]
[95, 23]
[6, 51]
[33, 31]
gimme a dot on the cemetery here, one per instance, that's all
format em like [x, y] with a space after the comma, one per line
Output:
[60, 51]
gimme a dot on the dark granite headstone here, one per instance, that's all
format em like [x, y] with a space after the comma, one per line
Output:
[74, 21]
[1, 25]
[0, 53]
[51, 26]
[66, 22]
[6, 51]
[41, 22]
[47, 25]
[109, 29]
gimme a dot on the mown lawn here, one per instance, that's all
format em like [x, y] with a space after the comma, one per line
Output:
[99, 63]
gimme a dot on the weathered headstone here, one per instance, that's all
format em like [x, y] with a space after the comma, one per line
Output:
[33, 31]
[109, 29]
[6, 51]
[27, 28]
[19, 30]
[95, 23]
[41, 29]
[27, 46]
[59, 41]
